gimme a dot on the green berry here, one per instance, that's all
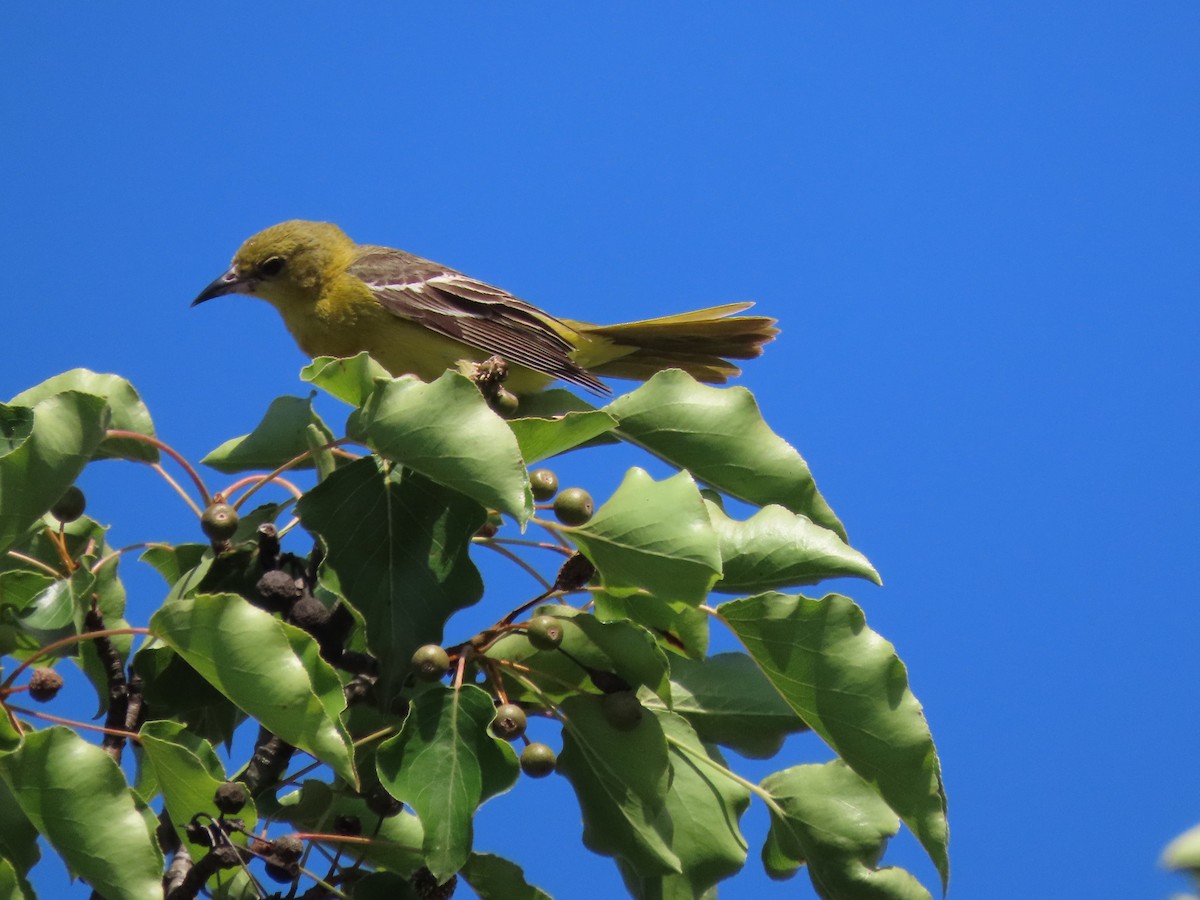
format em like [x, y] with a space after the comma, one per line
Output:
[70, 505]
[622, 710]
[510, 721]
[505, 403]
[219, 522]
[545, 632]
[537, 760]
[430, 662]
[573, 506]
[543, 483]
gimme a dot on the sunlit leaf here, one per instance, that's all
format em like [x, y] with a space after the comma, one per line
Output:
[272, 671]
[542, 438]
[837, 825]
[776, 548]
[127, 412]
[718, 434]
[652, 535]
[351, 380]
[77, 798]
[848, 685]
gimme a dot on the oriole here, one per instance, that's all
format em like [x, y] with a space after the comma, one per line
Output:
[415, 316]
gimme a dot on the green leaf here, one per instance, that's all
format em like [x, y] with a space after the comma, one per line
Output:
[65, 432]
[848, 685]
[621, 779]
[700, 816]
[718, 434]
[175, 690]
[776, 548]
[18, 836]
[398, 838]
[446, 431]
[652, 535]
[351, 380]
[127, 411]
[836, 823]
[11, 887]
[269, 669]
[496, 878]
[76, 796]
[384, 886]
[278, 438]
[444, 763]
[188, 774]
[399, 546]
[19, 589]
[679, 626]
[542, 438]
[729, 701]
[173, 562]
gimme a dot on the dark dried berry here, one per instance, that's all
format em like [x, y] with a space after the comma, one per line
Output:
[278, 590]
[44, 684]
[287, 849]
[219, 522]
[349, 825]
[537, 760]
[573, 506]
[383, 804]
[309, 613]
[545, 632]
[543, 483]
[430, 662]
[282, 874]
[510, 721]
[198, 834]
[427, 888]
[226, 856]
[576, 572]
[70, 505]
[230, 797]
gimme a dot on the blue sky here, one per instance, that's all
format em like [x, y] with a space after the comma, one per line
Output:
[977, 226]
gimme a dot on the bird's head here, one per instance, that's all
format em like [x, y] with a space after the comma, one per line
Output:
[287, 264]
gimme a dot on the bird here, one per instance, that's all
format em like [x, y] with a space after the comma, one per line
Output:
[414, 316]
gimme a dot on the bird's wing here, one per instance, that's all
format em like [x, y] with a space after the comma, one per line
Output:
[478, 314]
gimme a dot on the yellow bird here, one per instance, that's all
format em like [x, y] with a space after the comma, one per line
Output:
[415, 316]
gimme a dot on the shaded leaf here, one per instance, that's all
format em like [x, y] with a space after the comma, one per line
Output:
[496, 878]
[446, 431]
[65, 431]
[652, 535]
[281, 436]
[679, 626]
[621, 779]
[444, 763]
[76, 796]
[718, 434]
[127, 412]
[836, 824]
[848, 685]
[702, 809]
[729, 701]
[269, 669]
[399, 546]
[776, 548]
[18, 836]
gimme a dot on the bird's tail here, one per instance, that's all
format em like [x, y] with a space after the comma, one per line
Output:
[702, 343]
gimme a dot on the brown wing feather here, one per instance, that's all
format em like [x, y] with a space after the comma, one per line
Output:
[478, 314]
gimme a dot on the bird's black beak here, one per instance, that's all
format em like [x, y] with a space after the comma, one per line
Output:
[229, 283]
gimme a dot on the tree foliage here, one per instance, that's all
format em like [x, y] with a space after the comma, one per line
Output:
[379, 734]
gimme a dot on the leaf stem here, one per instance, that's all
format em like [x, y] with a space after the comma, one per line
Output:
[66, 642]
[170, 451]
[294, 461]
[490, 543]
[36, 563]
[758, 791]
[59, 720]
[178, 489]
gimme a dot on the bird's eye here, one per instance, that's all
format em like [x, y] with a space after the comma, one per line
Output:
[271, 266]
